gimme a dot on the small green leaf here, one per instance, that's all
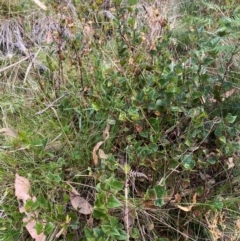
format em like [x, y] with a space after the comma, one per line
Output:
[39, 228]
[99, 213]
[109, 230]
[159, 202]
[133, 112]
[95, 106]
[218, 131]
[98, 233]
[223, 139]
[153, 147]
[88, 233]
[100, 199]
[126, 168]
[160, 191]
[54, 177]
[215, 41]
[222, 31]
[111, 121]
[122, 116]
[113, 221]
[42, 200]
[49, 228]
[74, 226]
[160, 102]
[116, 185]
[150, 194]
[144, 134]
[173, 89]
[132, 2]
[113, 202]
[30, 205]
[230, 118]
[188, 162]
[217, 204]
[176, 109]
[211, 160]
[52, 65]
[135, 233]
[123, 235]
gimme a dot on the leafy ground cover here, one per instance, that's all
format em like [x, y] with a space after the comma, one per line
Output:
[119, 120]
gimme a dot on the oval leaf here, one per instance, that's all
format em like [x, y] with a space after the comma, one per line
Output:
[113, 202]
[188, 162]
[230, 118]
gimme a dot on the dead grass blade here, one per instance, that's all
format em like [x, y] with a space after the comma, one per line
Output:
[106, 132]
[94, 152]
[40, 4]
[128, 220]
[10, 66]
[31, 63]
[97, 146]
[189, 208]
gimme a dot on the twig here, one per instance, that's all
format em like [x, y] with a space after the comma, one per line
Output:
[30, 65]
[10, 66]
[51, 104]
[127, 219]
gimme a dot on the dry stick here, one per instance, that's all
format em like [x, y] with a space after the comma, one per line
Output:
[51, 104]
[10, 66]
[30, 65]
[126, 209]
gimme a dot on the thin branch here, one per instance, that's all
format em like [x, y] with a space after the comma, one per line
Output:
[51, 104]
[10, 66]
[30, 65]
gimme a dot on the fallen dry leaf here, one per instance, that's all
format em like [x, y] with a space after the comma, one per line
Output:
[189, 208]
[224, 95]
[149, 204]
[9, 132]
[106, 132]
[177, 197]
[79, 203]
[97, 146]
[102, 154]
[230, 163]
[229, 93]
[49, 38]
[237, 223]
[40, 4]
[22, 187]
[30, 226]
[94, 152]
[88, 31]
